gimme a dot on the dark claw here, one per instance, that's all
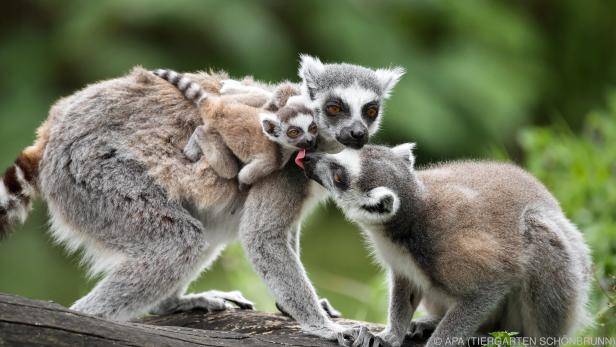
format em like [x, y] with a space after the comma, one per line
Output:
[345, 340]
[242, 305]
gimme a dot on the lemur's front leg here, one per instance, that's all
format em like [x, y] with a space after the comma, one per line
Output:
[294, 237]
[219, 156]
[272, 211]
[404, 298]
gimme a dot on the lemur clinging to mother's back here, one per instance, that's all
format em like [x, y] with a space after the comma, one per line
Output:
[109, 162]
[483, 244]
[264, 141]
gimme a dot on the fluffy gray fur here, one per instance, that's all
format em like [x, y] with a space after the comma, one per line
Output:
[483, 244]
[119, 187]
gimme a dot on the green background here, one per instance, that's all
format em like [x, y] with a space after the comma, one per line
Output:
[527, 81]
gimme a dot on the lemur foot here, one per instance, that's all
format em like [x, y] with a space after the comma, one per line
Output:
[390, 339]
[329, 309]
[422, 328]
[243, 187]
[212, 300]
[193, 150]
[360, 337]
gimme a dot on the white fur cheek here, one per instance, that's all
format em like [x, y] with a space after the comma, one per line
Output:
[350, 159]
[375, 126]
[4, 195]
[352, 207]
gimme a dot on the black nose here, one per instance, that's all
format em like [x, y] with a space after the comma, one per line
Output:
[308, 144]
[358, 134]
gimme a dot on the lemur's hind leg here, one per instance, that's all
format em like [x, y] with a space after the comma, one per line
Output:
[148, 244]
[136, 285]
[552, 291]
[219, 156]
[213, 300]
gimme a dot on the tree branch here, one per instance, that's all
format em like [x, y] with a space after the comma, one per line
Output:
[27, 322]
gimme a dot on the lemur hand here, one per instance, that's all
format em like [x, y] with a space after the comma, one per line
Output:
[390, 339]
[360, 336]
[333, 331]
[329, 309]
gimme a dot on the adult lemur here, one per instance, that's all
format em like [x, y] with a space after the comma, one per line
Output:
[484, 245]
[109, 163]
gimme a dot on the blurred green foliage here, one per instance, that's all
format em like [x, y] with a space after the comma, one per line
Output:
[478, 73]
[580, 169]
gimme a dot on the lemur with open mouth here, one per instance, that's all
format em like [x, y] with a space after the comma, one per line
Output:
[484, 245]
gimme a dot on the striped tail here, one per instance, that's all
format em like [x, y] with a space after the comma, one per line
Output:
[18, 187]
[191, 90]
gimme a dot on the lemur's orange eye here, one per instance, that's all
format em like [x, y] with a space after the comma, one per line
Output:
[332, 109]
[313, 128]
[337, 178]
[372, 112]
[293, 133]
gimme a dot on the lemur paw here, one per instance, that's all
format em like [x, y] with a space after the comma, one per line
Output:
[193, 150]
[193, 154]
[212, 300]
[360, 336]
[332, 331]
[243, 187]
[230, 87]
[329, 309]
[422, 328]
[390, 339]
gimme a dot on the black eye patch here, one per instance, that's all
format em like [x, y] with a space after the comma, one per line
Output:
[366, 109]
[339, 176]
[337, 101]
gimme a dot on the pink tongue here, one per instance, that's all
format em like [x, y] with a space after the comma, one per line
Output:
[299, 160]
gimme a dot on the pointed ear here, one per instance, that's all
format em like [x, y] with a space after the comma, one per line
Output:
[388, 78]
[309, 70]
[405, 151]
[382, 202]
[270, 124]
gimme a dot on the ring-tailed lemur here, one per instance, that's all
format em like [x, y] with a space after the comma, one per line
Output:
[263, 141]
[117, 184]
[483, 244]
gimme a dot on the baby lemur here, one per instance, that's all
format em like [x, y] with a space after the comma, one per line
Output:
[483, 244]
[244, 124]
